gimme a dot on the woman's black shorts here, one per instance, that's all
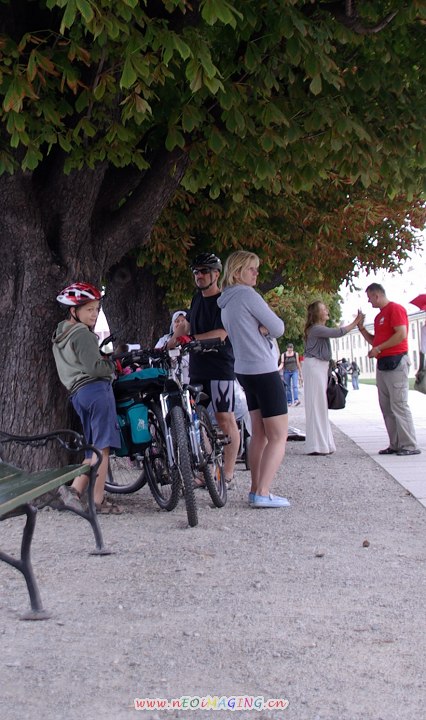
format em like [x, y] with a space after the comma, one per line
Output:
[265, 392]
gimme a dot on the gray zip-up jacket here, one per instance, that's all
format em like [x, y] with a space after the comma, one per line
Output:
[77, 356]
[243, 312]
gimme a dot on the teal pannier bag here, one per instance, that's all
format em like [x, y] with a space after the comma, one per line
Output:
[133, 424]
[140, 381]
[138, 419]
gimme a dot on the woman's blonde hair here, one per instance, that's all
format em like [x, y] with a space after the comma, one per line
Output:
[313, 315]
[238, 261]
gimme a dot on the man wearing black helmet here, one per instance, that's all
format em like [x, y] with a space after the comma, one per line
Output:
[215, 371]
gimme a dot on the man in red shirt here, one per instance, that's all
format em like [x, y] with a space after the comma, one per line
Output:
[390, 348]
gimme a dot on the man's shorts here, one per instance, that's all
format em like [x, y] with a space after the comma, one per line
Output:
[265, 392]
[221, 394]
[95, 406]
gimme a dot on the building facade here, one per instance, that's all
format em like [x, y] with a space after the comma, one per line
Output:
[353, 346]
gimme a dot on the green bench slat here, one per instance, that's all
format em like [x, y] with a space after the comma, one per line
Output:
[18, 487]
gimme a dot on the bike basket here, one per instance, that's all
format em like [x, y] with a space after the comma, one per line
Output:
[134, 429]
[143, 380]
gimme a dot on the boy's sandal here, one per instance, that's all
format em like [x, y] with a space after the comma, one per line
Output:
[74, 491]
[109, 508]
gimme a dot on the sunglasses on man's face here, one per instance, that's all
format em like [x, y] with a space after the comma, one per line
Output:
[201, 271]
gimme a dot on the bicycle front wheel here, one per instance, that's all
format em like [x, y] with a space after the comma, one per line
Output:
[124, 475]
[214, 474]
[164, 485]
[183, 462]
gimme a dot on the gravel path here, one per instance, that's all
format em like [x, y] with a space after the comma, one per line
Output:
[321, 604]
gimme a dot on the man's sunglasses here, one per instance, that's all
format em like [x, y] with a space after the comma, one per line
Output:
[201, 271]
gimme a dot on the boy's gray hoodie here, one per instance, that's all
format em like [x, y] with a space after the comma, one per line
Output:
[243, 311]
[77, 356]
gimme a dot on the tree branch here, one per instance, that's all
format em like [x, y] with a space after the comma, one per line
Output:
[346, 13]
[130, 226]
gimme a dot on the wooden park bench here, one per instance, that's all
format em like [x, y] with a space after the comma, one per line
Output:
[19, 489]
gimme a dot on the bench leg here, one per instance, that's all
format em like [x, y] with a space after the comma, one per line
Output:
[25, 567]
[91, 516]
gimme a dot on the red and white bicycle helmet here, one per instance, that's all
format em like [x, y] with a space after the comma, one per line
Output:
[78, 293]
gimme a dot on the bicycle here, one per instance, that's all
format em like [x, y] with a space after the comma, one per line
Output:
[194, 444]
[125, 474]
[183, 439]
[142, 457]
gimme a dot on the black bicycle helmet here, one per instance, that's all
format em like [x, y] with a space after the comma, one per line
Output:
[208, 260]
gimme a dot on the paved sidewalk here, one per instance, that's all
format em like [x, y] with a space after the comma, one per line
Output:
[320, 605]
[362, 421]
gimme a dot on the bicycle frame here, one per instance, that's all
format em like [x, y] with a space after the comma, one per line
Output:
[185, 394]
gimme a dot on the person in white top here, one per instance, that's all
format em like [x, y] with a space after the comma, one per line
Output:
[180, 325]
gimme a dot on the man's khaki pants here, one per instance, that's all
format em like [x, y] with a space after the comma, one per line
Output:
[392, 386]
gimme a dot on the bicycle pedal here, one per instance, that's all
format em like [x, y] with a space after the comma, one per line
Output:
[223, 439]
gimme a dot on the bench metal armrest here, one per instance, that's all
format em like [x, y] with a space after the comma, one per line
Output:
[68, 439]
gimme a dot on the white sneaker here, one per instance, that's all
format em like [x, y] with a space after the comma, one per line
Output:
[269, 501]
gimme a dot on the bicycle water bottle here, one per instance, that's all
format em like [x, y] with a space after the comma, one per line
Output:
[196, 421]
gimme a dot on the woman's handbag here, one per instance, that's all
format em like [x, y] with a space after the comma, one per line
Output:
[420, 381]
[336, 393]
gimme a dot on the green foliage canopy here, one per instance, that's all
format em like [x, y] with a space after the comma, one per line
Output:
[305, 136]
[261, 93]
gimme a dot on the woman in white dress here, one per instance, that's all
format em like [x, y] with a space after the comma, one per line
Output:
[317, 356]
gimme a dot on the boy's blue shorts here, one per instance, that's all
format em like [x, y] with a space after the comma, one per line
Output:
[95, 406]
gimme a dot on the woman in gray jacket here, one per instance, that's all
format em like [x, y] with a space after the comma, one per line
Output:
[251, 326]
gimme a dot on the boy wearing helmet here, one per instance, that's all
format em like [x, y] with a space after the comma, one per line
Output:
[214, 371]
[87, 376]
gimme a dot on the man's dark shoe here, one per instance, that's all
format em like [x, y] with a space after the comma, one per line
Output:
[408, 452]
[388, 451]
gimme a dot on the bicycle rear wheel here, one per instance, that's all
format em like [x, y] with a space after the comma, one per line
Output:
[124, 475]
[213, 472]
[183, 462]
[164, 485]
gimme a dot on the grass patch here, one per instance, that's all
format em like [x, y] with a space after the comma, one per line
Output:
[372, 381]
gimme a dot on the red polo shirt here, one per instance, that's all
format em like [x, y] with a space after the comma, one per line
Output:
[390, 317]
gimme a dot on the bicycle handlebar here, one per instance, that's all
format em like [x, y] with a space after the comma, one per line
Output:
[146, 356]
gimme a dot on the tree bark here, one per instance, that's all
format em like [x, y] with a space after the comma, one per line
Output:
[134, 304]
[49, 238]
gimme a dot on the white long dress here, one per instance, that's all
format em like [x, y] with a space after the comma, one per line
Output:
[319, 437]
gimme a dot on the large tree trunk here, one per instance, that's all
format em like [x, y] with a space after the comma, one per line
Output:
[49, 239]
[32, 400]
[134, 304]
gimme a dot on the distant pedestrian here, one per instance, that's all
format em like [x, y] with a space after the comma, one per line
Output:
[292, 374]
[342, 367]
[354, 373]
[390, 348]
[319, 438]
